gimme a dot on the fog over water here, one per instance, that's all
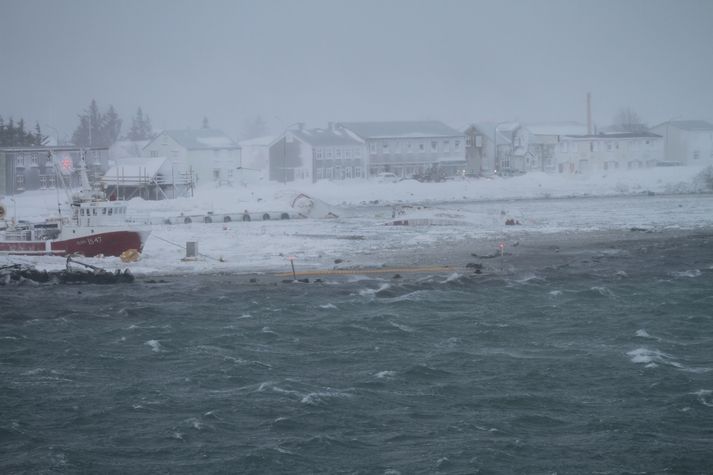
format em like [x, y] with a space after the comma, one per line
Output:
[318, 61]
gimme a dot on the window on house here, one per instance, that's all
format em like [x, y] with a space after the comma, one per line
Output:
[696, 154]
[348, 153]
[434, 146]
[468, 141]
[329, 154]
[372, 147]
[154, 153]
[385, 147]
[318, 153]
[320, 171]
[409, 147]
[338, 153]
[456, 145]
[357, 172]
[446, 146]
[422, 147]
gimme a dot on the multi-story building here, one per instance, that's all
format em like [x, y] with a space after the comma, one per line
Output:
[623, 151]
[30, 168]
[316, 154]
[410, 148]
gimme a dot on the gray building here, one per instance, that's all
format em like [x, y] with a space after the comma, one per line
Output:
[410, 148]
[30, 168]
[317, 154]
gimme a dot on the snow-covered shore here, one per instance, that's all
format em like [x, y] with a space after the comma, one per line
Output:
[475, 210]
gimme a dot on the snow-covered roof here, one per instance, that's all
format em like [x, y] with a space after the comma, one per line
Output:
[562, 128]
[325, 137]
[690, 125]
[622, 135]
[257, 142]
[201, 139]
[401, 129]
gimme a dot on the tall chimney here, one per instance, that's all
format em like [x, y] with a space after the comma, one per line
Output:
[589, 113]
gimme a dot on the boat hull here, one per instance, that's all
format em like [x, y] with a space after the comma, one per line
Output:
[110, 243]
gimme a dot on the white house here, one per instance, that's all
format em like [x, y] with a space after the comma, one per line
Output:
[687, 142]
[524, 148]
[624, 151]
[409, 148]
[211, 156]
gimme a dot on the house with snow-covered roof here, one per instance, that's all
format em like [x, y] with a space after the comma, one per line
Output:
[607, 152]
[686, 142]
[211, 156]
[317, 154]
[524, 148]
[408, 148]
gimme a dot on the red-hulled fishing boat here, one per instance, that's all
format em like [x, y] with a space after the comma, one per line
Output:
[97, 227]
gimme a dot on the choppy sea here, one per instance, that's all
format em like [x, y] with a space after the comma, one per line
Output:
[602, 365]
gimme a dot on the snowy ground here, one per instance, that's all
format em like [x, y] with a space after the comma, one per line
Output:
[472, 210]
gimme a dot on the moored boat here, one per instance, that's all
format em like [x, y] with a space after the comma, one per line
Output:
[96, 227]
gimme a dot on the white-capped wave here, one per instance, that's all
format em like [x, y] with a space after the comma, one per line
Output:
[328, 306]
[452, 277]
[154, 344]
[705, 396]
[402, 327]
[687, 273]
[603, 291]
[321, 396]
[385, 374]
[641, 333]
[371, 292]
[555, 293]
[651, 358]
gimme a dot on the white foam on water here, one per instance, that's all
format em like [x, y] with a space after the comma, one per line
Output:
[372, 292]
[555, 293]
[642, 333]
[621, 274]
[385, 374]
[452, 277]
[154, 344]
[687, 273]
[647, 356]
[705, 396]
[526, 278]
[245, 315]
[321, 396]
[402, 327]
[328, 306]
[603, 291]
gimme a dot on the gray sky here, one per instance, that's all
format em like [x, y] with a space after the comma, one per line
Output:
[316, 61]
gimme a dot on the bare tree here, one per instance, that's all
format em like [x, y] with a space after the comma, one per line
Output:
[628, 120]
